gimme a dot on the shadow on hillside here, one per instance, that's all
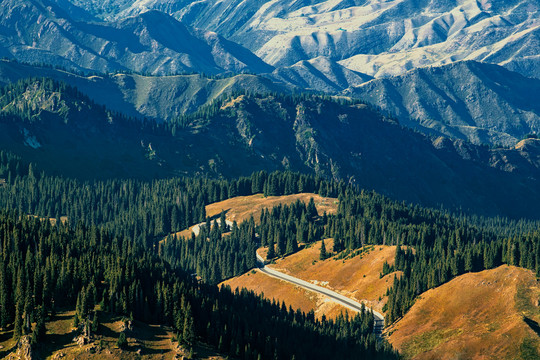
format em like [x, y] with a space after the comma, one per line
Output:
[4, 354]
[4, 337]
[147, 332]
[533, 325]
[218, 215]
[62, 316]
[107, 332]
[148, 337]
[54, 342]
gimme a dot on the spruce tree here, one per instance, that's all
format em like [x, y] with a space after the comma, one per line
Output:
[322, 254]
[39, 330]
[271, 249]
[188, 331]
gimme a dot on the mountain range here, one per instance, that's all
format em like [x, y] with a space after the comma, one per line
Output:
[478, 102]
[61, 129]
[375, 37]
[42, 32]
[468, 118]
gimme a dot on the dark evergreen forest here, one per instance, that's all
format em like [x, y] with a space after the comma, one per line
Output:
[109, 252]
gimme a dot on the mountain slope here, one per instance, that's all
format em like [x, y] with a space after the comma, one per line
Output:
[154, 97]
[375, 37]
[40, 31]
[251, 133]
[481, 103]
[67, 134]
[449, 322]
[320, 74]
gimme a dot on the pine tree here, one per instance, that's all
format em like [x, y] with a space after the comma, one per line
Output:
[322, 255]
[18, 327]
[271, 249]
[95, 322]
[188, 331]
[122, 342]
[292, 245]
[311, 209]
[39, 330]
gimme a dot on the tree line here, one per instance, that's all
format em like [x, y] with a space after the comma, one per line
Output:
[46, 268]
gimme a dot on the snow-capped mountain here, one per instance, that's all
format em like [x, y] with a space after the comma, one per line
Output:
[376, 37]
[152, 42]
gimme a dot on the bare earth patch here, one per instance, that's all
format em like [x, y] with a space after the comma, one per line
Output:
[488, 315]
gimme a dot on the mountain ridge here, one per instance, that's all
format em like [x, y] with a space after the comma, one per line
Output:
[41, 32]
[477, 102]
[247, 133]
[160, 98]
[379, 38]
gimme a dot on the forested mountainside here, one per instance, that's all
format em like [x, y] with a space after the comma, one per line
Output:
[46, 268]
[110, 255]
[59, 129]
[119, 224]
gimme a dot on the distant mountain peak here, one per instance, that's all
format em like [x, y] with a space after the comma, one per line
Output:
[150, 42]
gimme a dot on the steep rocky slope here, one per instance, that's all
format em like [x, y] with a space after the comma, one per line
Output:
[375, 37]
[481, 103]
[319, 74]
[152, 42]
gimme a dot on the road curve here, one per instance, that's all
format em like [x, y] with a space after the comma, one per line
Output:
[338, 298]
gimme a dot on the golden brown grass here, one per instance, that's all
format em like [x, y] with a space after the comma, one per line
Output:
[282, 291]
[356, 277]
[475, 316]
[242, 207]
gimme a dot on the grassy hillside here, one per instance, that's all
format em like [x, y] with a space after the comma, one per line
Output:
[243, 207]
[284, 292]
[493, 314]
[356, 276]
